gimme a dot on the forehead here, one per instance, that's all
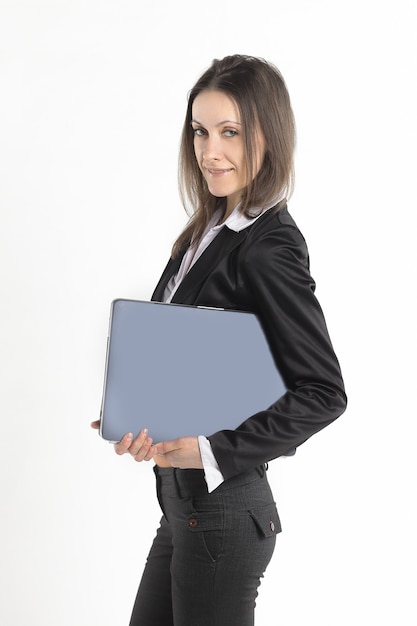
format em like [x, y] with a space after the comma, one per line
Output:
[215, 107]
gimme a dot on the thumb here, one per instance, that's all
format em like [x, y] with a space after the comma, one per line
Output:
[165, 446]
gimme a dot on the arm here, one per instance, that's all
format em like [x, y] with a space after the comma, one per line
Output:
[275, 271]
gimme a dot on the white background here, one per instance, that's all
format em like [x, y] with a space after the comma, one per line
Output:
[92, 98]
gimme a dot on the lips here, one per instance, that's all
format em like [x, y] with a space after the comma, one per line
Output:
[217, 172]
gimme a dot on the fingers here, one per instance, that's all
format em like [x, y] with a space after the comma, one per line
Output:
[140, 448]
[124, 444]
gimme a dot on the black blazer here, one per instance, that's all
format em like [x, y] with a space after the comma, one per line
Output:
[265, 269]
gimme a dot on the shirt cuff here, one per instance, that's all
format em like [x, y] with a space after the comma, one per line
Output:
[212, 472]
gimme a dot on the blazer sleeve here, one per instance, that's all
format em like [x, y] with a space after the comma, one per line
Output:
[275, 269]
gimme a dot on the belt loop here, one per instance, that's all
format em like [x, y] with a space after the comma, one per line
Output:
[262, 469]
[177, 483]
[158, 489]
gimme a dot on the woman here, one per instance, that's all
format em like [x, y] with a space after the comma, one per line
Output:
[240, 250]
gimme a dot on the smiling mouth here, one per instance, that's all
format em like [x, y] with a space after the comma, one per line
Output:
[219, 172]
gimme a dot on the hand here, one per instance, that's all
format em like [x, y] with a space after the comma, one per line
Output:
[140, 448]
[183, 453]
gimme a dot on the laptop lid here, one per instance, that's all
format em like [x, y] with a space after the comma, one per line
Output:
[183, 370]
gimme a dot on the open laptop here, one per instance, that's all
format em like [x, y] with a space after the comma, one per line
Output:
[183, 370]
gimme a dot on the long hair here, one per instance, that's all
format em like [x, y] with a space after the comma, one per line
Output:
[259, 91]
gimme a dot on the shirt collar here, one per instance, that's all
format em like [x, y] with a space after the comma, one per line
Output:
[237, 221]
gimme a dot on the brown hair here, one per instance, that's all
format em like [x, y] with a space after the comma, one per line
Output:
[259, 91]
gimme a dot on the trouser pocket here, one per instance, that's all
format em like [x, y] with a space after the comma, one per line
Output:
[266, 519]
[207, 528]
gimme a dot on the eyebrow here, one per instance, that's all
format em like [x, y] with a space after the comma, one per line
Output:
[219, 123]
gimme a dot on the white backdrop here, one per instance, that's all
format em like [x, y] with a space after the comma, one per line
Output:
[92, 98]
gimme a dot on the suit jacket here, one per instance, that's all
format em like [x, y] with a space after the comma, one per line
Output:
[265, 269]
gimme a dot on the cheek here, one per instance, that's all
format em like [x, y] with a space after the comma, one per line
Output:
[197, 150]
[198, 156]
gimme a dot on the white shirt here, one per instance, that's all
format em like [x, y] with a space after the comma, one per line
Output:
[236, 222]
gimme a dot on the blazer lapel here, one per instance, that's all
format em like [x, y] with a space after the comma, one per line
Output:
[222, 245]
[171, 269]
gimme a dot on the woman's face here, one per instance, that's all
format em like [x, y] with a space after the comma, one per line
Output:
[219, 146]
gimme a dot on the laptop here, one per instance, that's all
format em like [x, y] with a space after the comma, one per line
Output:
[183, 370]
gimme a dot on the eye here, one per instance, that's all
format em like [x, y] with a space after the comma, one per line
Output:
[199, 132]
[230, 132]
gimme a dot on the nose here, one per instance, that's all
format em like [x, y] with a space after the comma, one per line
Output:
[211, 148]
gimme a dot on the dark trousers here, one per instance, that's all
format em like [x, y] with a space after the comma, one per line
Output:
[210, 551]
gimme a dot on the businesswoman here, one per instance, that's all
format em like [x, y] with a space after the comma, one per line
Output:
[241, 249]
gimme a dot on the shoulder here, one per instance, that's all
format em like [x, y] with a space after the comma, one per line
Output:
[275, 233]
